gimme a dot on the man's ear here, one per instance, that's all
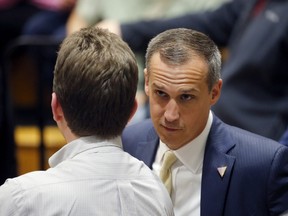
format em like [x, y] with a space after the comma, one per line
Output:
[216, 92]
[56, 108]
[146, 87]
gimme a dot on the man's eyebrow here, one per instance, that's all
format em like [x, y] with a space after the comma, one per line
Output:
[183, 90]
[188, 90]
[158, 86]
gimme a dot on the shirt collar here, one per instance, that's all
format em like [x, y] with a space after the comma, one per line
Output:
[192, 154]
[80, 145]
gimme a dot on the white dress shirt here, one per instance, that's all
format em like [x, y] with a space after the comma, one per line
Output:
[186, 173]
[87, 177]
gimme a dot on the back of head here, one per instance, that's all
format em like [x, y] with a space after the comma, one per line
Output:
[178, 46]
[95, 80]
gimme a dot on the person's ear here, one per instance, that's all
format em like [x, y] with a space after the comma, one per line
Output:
[216, 92]
[146, 87]
[56, 108]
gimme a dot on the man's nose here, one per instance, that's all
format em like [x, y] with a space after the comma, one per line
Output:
[172, 112]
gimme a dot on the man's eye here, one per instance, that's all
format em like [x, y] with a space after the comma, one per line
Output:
[186, 97]
[161, 93]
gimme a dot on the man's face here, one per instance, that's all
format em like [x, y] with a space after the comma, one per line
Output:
[179, 99]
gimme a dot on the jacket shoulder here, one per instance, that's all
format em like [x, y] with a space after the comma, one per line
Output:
[136, 133]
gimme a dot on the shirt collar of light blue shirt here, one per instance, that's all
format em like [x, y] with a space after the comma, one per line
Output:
[80, 145]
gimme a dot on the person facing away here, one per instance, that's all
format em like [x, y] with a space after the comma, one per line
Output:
[220, 170]
[94, 87]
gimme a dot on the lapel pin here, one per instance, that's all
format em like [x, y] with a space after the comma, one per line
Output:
[222, 170]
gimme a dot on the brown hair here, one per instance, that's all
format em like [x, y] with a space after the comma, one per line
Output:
[95, 80]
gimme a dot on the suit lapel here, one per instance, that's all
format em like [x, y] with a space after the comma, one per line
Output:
[217, 170]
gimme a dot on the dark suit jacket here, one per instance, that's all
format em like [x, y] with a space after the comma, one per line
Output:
[255, 75]
[256, 179]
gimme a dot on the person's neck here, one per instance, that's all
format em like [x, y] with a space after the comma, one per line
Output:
[68, 135]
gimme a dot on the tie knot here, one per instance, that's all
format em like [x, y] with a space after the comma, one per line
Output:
[168, 159]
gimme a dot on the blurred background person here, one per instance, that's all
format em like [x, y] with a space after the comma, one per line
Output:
[50, 22]
[15, 14]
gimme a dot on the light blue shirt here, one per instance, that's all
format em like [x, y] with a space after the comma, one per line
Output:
[87, 177]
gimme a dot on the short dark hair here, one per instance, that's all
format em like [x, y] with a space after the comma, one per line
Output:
[177, 46]
[95, 80]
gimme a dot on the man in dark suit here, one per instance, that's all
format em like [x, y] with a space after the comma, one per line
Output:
[255, 33]
[220, 170]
